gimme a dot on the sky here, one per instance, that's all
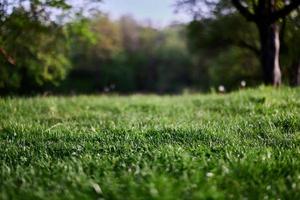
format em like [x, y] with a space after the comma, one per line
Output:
[160, 12]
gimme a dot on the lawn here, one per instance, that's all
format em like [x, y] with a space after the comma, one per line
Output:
[243, 145]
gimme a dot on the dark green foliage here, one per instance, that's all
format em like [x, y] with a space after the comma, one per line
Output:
[126, 56]
[33, 45]
[225, 41]
[67, 52]
[290, 49]
[225, 57]
[33, 51]
[241, 145]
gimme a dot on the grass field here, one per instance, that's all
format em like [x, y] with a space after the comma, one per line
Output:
[244, 145]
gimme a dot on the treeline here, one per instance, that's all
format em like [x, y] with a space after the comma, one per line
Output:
[96, 54]
[126, 56]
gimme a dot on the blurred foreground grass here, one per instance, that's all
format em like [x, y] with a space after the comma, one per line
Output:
[241, 145]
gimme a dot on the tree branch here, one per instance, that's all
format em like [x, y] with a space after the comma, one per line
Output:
[8, 58]
[285, 11]
[250, 47]
[243, 10]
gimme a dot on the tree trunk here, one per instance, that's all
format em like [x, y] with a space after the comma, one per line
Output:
[270, 47]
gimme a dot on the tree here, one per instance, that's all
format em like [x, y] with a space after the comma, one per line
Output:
[31, 45]
[266, 14]
[225, 58]
[33, 55]
[33, 50]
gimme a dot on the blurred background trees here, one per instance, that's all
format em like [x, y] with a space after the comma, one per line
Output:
[50, 46]
[32, 46]
[290, 48]
[268, 16]
[126, 56]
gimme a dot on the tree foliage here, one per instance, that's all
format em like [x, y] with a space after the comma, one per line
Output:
[237, 32]
[127, 56]
[33, 45]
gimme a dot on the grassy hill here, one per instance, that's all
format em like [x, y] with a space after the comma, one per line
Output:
[241, 145]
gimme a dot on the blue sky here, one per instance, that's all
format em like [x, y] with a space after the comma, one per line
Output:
[160, 12]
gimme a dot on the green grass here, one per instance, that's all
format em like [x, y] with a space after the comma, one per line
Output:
[241, 145]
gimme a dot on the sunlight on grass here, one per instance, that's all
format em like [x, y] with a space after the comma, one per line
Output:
[244, 144]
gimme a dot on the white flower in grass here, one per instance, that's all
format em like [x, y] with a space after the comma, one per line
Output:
[222, 89]
[209, 174]
[243, 84]
[96, 187]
